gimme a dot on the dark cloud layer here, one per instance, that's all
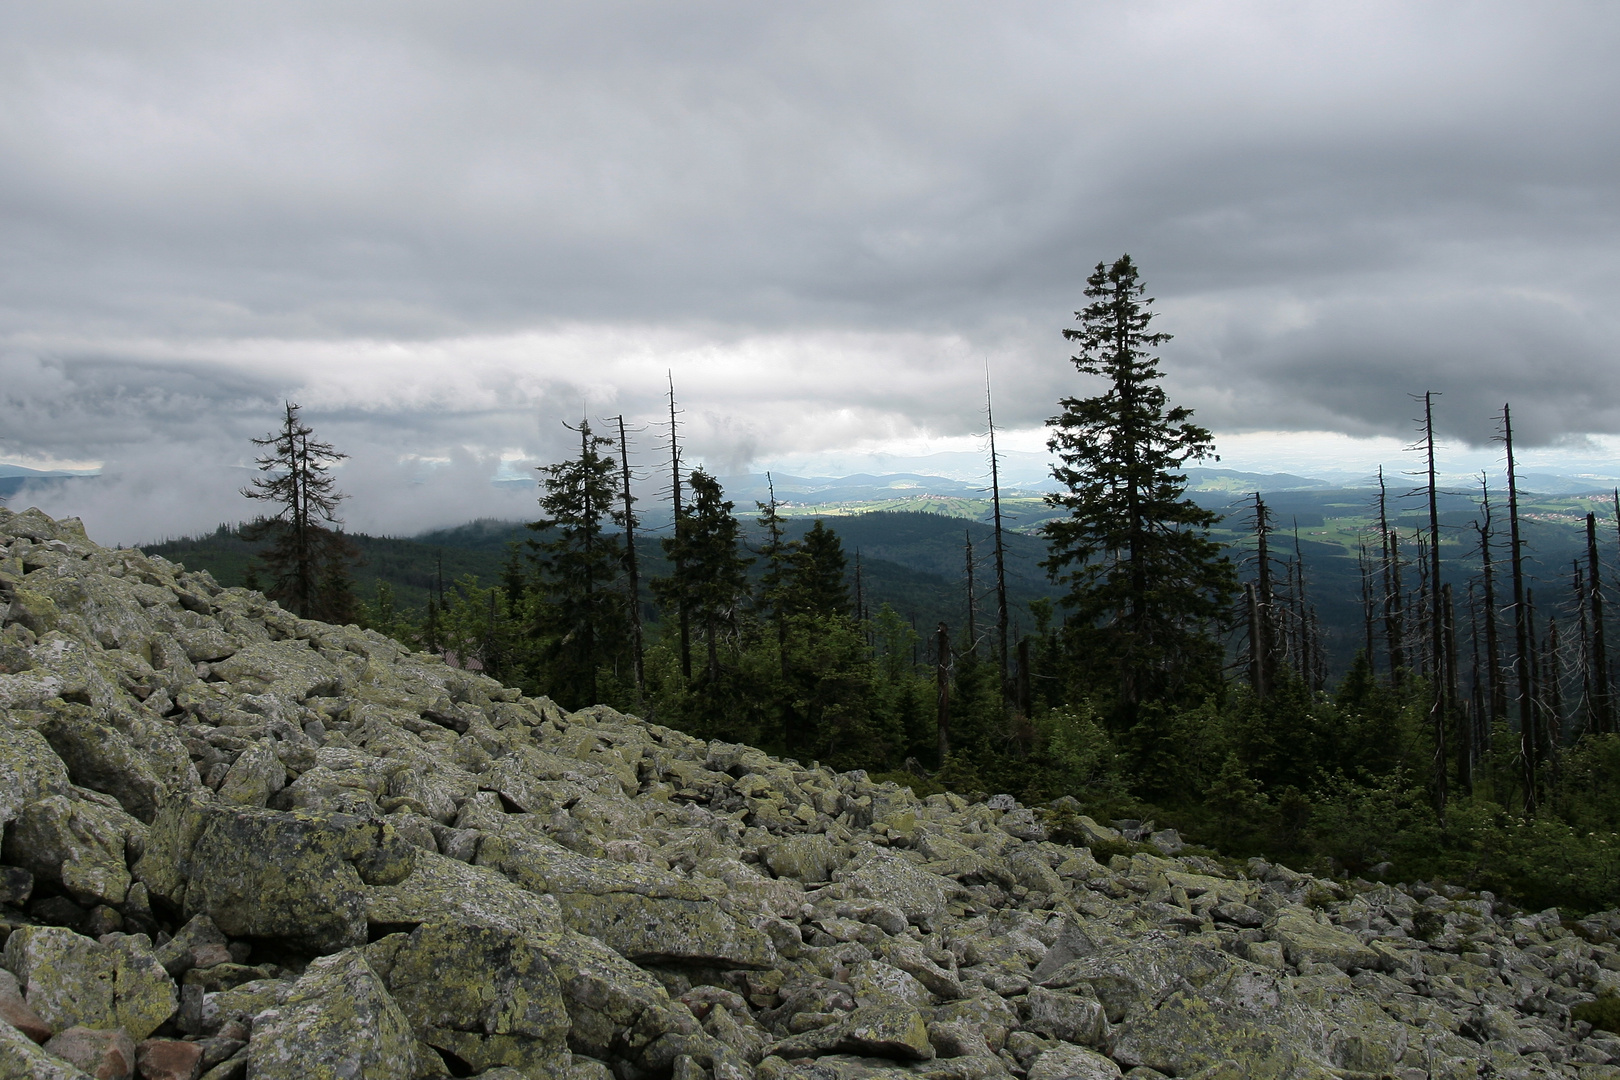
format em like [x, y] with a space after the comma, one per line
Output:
[445, 228]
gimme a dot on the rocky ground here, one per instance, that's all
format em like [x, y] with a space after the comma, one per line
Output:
[238, 843]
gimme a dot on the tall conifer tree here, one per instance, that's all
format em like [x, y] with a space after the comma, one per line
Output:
[1145, 581]
[582, 614]
[709, 579]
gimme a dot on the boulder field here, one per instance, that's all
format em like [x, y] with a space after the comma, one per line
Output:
[242, 844]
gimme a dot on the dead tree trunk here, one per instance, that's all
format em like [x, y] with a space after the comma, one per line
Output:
[1602, 706]
[1001, 556]
[631, 567]
[1392, 587]
[1552, 727]
[1479, 710]
[1524, 661]
[1493, 644]
[1307, 645]
[683, 617]
[1257, 648]
[1583, 630]
[1364, 565]
[1262, 623]
[1439, 708]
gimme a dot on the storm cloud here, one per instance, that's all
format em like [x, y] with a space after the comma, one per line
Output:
[445, 229]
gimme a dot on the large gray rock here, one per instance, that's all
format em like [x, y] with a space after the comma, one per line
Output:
[1306, 941]
[263, 873]
[287, 669]
[615, 1009]
[100, 757]
[1247, 1016]
[1074, 1018]
[74, 981]
[440, 888]
[256, 774]
[890, 879]
[29, 769]
[21, 1058]
[338, 1023]
[647, 929]
[1135, 975]
[1072, 1063]
[808, 859]
[80, 845]
[488, 996]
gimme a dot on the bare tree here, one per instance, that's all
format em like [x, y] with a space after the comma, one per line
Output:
[1602, 709]
[1440, 704]
[683, 616]
[1524, 660]
[632, 569]
[1493, 645]
[307, 558]
[1392, 586]
[1001, 556]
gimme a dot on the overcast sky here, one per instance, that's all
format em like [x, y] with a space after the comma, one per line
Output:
[446, 228]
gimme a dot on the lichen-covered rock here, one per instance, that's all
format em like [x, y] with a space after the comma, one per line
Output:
[1248, 1016]
[75, 843]
[1306, 941]
[615, 1009]
[257, 774]
[22, 1059]
[165, 865]
[647, 929]
[100, 757]
[287, 669]
[1074, 1018]
[74, 981]
[876, 983]
[586, 895]
[486, 995]
[891, 880]
[1072, 1063]
[29, 769]
[886, 1031]
[441, 888]
[262, 873]
[1134, 975]
[808, 859]
[338, 1023]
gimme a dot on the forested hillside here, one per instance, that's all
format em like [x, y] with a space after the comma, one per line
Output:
[1408, 683]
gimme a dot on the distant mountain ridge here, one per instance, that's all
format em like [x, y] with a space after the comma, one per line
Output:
[13, 478]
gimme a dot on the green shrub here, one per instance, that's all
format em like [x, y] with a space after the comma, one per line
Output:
[1426, 923]
[1603, 1014]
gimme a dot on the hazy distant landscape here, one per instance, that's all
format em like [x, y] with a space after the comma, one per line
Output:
[911, 532]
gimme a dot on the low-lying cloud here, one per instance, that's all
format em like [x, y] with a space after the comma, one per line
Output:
[447, 231]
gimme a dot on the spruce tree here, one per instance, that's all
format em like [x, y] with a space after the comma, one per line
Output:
[776, 583]
[709, 579]
[1146, 584]
[581, 614]
[817, 574]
